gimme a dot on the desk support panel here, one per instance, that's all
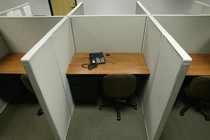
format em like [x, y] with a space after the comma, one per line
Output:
[84, 87]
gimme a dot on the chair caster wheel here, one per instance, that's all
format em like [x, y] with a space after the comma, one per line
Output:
[100, 107]
[135, 107]
[118, 118]
[181, 113]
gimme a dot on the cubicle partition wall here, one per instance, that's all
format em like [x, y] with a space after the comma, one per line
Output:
[140, 9]
[20, 34]
[46, 65]
[3, 48]
[190, 31]
[199, 7]
[168, 64]
[21, 10]
[63, 45]
[107, 33]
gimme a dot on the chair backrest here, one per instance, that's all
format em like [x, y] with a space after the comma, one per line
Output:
[199, 88]
[26, 82]
[119, 85]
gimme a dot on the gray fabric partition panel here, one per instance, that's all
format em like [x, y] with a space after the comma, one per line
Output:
[42, 68]
[22, 33]
[191, 32]
[140, 9]
[3, 48]
[63, 46]
[169, 75]
[151, 51]
[168, 64]
[108, 33]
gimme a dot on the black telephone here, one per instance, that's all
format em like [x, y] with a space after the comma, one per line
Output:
[97, 58]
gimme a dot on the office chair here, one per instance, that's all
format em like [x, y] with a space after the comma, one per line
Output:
[118, 88]
[199, 92]
[26, 82]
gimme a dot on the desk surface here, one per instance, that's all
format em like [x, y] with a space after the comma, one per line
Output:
[200, 65]
[133, 63]
[11, 64]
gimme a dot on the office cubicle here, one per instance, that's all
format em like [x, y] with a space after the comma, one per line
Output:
[18, 36]
[166, 60]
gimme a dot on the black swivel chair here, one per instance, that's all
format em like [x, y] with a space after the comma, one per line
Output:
[199, 92]
[26, 82]
[118, 88]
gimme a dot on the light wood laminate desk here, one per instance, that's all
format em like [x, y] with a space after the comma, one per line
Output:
[132, 63]
[10, 70]
[200, 65]
[11, 64]
[86, 84]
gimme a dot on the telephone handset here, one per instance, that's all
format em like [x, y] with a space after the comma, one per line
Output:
[97, 58]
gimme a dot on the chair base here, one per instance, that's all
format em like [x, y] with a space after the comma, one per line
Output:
[118, 103]
[202, 111]
[40, 112]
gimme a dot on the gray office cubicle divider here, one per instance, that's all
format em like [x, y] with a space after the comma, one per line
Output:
[107, 33]
[20, 34]
[79, 9]
[140, 9]
[168, 64]
[3, 48]
[63, 45]
[199, 7]
[192, 32]
[46, 64]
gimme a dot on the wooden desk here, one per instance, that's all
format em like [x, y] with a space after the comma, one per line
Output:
[132, 63]
[200, 65]
[10, 70]
[86, 84]
[11, 64]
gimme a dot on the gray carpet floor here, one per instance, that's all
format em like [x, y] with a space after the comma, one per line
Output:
[90, 123]
[191, 126]
[20, 122]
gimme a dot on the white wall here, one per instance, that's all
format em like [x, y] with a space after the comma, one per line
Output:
[38, 7]
[168, 6]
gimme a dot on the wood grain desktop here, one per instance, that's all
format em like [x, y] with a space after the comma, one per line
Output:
[200, 65]
[132, 63]
[11, 64]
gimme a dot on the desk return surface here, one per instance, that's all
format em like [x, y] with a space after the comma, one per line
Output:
[86, 84]
[200, 65]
